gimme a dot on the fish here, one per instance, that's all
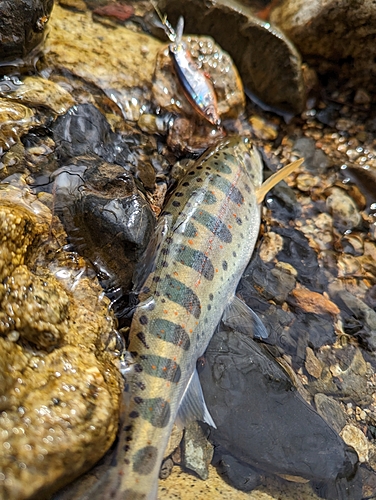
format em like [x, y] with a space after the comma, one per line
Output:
[186, 285]
[195, 83]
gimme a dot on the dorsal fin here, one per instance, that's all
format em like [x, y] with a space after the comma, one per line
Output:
[275, 178]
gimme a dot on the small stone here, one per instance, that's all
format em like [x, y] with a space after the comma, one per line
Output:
[197, 451]
[263, 129]
[174, 441]
[355, 438]
[312, 364]
[271, 245]
[166, 468]
[345, 213]
[331, 411]
[313, 302]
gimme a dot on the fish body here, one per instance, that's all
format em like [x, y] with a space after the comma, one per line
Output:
[204, 240]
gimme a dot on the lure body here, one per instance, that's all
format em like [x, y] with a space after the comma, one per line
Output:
[195, 83]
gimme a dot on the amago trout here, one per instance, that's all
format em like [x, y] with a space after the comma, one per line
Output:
[205, 239]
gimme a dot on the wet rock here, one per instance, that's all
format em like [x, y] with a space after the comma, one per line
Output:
[282, 202]
[331, 411]
[210, 58]
[197, 453]
[15, 120]
[22, 29]
[59, 385]
[313, 302]
[315, 160]
[312, 364]
[37, 92]
[166, 468]
[255, 426]
[124, 63]
[238, 474]
[268, 64]
[333, 36]
[297, 252]
[271, 282]
[345, 375]
[359, 319]
[344, 210]
[82, 130]
[271, 245]
[106, 218]
[355, 438]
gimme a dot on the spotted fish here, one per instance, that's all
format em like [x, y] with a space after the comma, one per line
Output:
[204, 240]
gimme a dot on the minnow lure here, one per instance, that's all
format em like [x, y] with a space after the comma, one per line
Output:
[204, 240]
[196, 84]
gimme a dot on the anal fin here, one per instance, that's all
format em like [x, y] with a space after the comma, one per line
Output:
[193, 406]
[242, 318]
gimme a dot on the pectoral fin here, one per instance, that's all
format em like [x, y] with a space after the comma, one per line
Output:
[275, 178]
[242, 318]
[193, 406]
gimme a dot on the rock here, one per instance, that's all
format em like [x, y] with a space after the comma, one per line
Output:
[22, 31]
[174, 441]
[197, 452]
[210, 58]
[315, 160]
[268, 64]
[331, 411]
[16, 119]
[355, 438]
[238, 474]
[313, 302]
[255, 425]
[271, 245]
[166, 468]
[59, 384]
[332, 36]
[123, 66]
[312, 364]
[344, 210]
[106, 218]
[37, 92]
[359, 319]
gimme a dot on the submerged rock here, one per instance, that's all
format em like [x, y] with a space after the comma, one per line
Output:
[59, 387]
[22, 29]
[268, 63]
[106, 218]
[253, 403]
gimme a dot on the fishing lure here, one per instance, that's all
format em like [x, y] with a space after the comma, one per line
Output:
[195, 83]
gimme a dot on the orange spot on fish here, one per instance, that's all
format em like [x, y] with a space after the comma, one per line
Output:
[162, 331]
[216, 270]
[175, 313]
[221, 247]
[190, 331]
[153, 367]
[165, 311]
[176, 274]
[190, 242]
[229, 226]
[164, 368]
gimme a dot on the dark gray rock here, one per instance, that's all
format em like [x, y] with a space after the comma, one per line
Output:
[315, 160]
[239, 474]
[106, 218]
[261, 418]
[331, 411]
[22, 28]
[268, 63]
[358, 318]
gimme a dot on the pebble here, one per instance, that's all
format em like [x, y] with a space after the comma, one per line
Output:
[313, 366]
[345, 213]
[313, 302]
[197, 452]
[331, 410]
[354, 437]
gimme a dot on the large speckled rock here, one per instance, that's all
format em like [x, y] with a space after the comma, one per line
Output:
[333, 34]
[59, 386]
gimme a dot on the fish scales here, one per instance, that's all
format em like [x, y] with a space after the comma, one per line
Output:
[213, 221]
